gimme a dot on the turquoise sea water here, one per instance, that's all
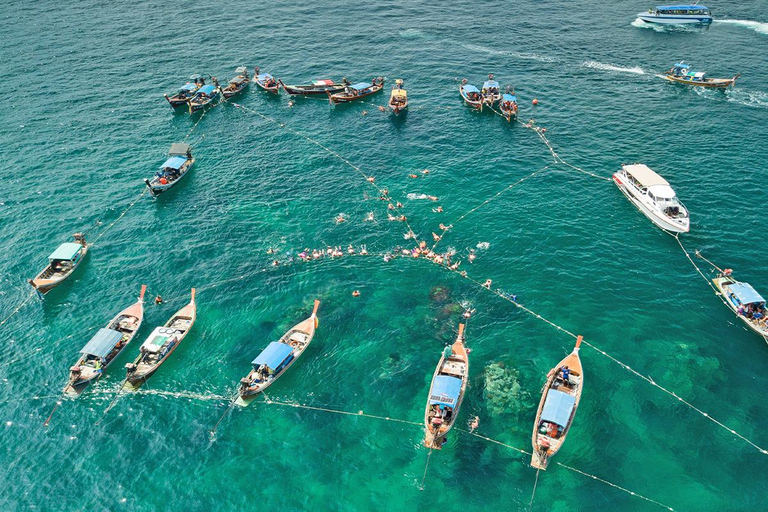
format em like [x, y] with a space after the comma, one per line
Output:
[84, 122]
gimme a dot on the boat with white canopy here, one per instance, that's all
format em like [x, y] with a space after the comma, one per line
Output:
[745, 301]
[653, 196]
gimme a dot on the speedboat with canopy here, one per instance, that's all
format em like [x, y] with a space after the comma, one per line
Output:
[557, 407]
[681, 73]
[279, 355]
[471, 94]
[398, 99]
[446, 392]
[316, 87]
[204, 96]
[508, 106]
[357, 91]
[104, 347]
[179, 162]
[743, 300]
[61, 264]
[677, 14]
[266, 81]
[653, 196]
[237, 84]
[491, 91]
[186, 92]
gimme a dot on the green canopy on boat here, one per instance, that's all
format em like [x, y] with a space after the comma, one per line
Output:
[66, 251]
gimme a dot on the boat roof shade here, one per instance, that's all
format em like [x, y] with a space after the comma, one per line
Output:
[645, 175]
[273, 355]
[196, 77]
[189, 87]
[175, 163]
[237, 80]
[179, 148]
[662, 191]
[399, 92]
[207, 89]
[558, 407]
[264, 76]
[682, 65]
[681, 7]
[445, 391]
[241, 69]
[745, 293]
[66, 251]
[490, 83]
[102, 342]
[361, 86]
[322, 82]
[508, 97]
[470, 88]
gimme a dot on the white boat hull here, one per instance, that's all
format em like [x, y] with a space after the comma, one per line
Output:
[655, 216]
[679, 19]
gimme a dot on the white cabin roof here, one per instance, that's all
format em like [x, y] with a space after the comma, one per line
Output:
[662, 191]
[645, 175]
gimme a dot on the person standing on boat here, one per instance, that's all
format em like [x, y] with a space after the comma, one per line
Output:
[565, 373]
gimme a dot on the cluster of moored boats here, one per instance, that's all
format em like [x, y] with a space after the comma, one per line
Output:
[489, 96]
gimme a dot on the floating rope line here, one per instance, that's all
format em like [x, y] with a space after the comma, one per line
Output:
[18, 308]
[338, 411]
[111, 224]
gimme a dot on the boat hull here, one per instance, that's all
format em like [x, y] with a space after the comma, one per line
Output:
[342, 97]
[472, 103]
[311, 90]
[657, 218]
[711, 83]
[682, 19]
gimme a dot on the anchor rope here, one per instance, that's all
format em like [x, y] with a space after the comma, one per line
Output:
[18, 308]
[112, 224]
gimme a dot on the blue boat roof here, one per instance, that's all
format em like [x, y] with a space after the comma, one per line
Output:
[508, 97]
[558, 407]
[360, 86]
[682, 65]
[102, 342]
[175, 163]
[189, 87]
[445, 391]
[680, 7]
[273, 355]
[65, 251]
[470, 88]
[207, 89]
[263, 76]
[490, 83]
[745, 293]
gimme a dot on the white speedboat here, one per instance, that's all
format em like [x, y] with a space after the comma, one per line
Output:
[653, 196]
[677, 15]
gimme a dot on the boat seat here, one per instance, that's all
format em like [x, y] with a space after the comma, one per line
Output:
[299, 336]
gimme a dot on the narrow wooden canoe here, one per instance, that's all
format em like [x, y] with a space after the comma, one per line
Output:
[712, 83]
[178, 164]
[508, 106]
[237, 84]
[160, 345]
[315, 88]
[265, 81]
[277, 358]
[357, 91]
[446, 392]
[204, 97]
[559, 400]
[108, 343]
[186, 92]
[61, 264]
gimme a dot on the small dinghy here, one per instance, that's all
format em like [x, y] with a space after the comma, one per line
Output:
[160, 345]
[277, 358]
[559, 400]
[398, 99]
[681, 73]
[446, 392]
[105, 346]
[653, 196]
[316, 87]
[357, 91]
[471, 94]
[61, 264]
[491, 91]
[179, 162]
[204, 97]
[744, 300]
[266, 81]
[508, 106]
[237, 84]
[186, 92]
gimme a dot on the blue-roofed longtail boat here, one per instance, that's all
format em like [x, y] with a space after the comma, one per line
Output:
[677, 15]
[471, 94]
[186, 92]
[179, 162]
[744, 301]
[491, 92]
[204, 96]
[105, 346]
[265, 81]
[559, 400]
[159, 346]
[237, 84]
[508, 105]
[398, 99]
[446, 392]
[61, 264]
[357, 91]
[316, 87]
[277, 358]
[681, 73]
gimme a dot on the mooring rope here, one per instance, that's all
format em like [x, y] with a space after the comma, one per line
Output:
[18, 308]
[112, 224]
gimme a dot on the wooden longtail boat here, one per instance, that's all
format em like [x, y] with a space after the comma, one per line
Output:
[491, 92]
[105, 346]
[471, 94]
[508, 106]
[186, 92]
[277, 358]
[266, 81]
[681, 73]
[204, 97]
[357, 91]
[398, 99]
[237, 84]
[316, 87]
[61, 264]
[160, 345]
[559, 400]
[179, 162]
[744, 300]
[446, 392]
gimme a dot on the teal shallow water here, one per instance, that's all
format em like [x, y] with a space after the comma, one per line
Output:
[84, 122]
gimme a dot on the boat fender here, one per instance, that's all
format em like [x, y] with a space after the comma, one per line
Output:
[535, 101]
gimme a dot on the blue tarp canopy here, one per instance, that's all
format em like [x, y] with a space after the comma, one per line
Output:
[508, 97]
[263, 77]
[682, 65]
[189, 87]
[745, 294]
[470, 88]
[273, 355]
[558, 407]
[175, 163]
[360, 87]
[681, 7]
[445, 391]
[102, 342]
[207, 89]
[491, 84]
[65, 252]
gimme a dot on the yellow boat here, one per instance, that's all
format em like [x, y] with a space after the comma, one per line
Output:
[681, 73]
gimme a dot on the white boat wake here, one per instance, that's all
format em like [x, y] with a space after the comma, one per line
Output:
[608, 67]
[760, 28]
